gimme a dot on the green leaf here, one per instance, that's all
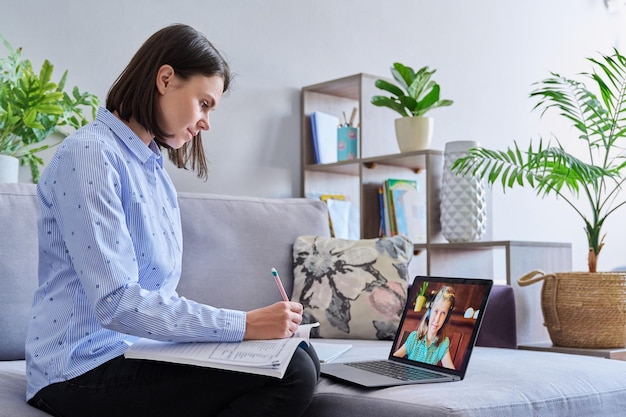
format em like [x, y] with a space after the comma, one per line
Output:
[444, 103]
[387, 86]
[403, 75]
[409, 103]
[45, 74]
[430, 99]
[49, 108]
[61, 83]
[388, 102]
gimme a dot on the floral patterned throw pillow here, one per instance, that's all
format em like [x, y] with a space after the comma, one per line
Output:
[354, 288]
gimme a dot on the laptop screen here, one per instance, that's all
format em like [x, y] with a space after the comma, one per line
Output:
[440, 322]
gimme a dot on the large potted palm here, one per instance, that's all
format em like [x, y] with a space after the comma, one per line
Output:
[32, 108]
[575, 303]
[413, 95]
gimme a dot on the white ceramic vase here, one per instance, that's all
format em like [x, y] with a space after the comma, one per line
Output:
[9, 168]
[414, 133]
[463, 199]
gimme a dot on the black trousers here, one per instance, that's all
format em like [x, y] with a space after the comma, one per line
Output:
[135, 388]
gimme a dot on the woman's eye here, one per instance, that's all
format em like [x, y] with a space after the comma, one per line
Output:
[204, 104]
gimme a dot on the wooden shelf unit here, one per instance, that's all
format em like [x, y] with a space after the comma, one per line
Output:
[379, 158]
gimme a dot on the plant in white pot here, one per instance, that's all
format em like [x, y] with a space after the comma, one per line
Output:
[33, 107]
[414, 95]
[598, 176]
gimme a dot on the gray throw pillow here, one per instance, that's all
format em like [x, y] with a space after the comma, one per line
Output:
[353, 288]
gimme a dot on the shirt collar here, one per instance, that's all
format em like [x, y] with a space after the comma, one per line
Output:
[129, 138]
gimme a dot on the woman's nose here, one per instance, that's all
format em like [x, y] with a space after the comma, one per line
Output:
[203, 123]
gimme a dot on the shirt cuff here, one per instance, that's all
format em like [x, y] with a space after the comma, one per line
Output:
[233, 325]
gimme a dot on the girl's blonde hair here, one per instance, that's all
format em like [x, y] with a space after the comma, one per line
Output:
[446, 293]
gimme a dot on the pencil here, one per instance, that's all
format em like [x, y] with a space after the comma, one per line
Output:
[352, 116]
[279, 284]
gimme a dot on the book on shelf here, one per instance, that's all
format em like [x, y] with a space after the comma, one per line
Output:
[324, 134]
[386, 219]
[403, 211]
[382, 231]
[343, 214]
[263, 357]
[338, 214]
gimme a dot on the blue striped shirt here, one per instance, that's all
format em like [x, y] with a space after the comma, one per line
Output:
[110, 251]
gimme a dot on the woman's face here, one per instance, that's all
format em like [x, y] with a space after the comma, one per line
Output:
[185, 104]
[438, 313]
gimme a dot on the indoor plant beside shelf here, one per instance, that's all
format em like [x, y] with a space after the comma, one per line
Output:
[414, 95]
[590, 307]
[32, 107]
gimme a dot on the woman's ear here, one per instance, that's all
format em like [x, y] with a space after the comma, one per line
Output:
[164, 77]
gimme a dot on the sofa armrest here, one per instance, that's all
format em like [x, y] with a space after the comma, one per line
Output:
[498, 328]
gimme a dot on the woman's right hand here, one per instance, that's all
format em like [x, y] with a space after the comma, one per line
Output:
[276, 321]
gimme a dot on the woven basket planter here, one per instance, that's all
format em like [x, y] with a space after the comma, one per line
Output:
[583, 309]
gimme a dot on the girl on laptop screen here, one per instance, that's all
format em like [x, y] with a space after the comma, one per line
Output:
[428, 343]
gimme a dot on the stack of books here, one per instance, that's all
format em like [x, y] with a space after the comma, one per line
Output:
[402, 210]
[324, 134]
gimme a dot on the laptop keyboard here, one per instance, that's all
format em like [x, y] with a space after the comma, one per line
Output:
[395, 370]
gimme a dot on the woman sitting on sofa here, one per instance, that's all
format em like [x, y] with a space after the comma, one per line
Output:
[428, 343]
[110, 253]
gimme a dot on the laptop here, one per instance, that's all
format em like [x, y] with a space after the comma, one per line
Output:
[434, 340]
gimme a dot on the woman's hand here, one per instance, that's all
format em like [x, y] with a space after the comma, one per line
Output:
[273, 322]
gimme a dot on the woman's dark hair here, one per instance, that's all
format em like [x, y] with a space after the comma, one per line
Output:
[134, 92]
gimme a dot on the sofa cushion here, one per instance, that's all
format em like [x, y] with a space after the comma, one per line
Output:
[354, 288]
[18, 265]
[498, 383]
[238, 240]
[13, 391]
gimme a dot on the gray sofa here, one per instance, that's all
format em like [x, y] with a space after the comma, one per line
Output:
[231, 243]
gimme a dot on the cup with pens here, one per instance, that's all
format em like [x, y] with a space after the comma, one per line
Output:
[347, 138]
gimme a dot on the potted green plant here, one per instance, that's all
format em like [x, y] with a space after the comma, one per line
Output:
[421, 298]
[413, 95]
[33, 107]
[598, 177]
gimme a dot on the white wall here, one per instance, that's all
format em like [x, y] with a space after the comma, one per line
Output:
[486, 52]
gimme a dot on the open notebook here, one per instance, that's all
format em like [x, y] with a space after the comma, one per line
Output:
[451, 311]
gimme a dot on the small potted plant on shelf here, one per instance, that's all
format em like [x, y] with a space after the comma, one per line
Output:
[32, 107]
[414, 95]
[421, 298]
[599, 177]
